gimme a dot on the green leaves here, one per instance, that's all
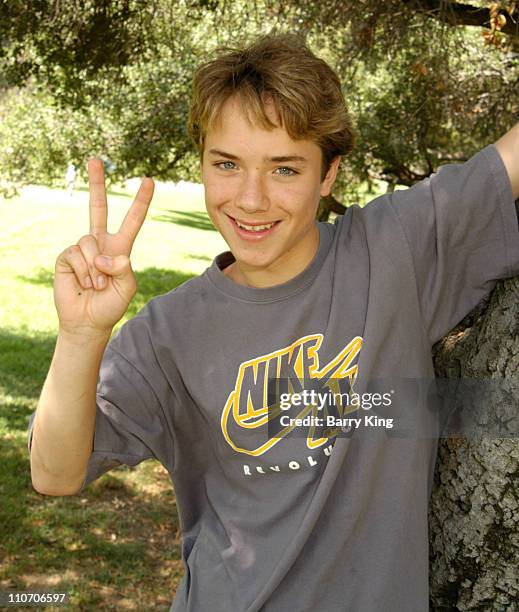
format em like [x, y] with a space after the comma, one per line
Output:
[113, 79]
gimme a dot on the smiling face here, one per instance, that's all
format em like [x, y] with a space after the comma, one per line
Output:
[262, 189]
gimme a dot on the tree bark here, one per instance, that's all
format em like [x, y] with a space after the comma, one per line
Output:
[474, 509]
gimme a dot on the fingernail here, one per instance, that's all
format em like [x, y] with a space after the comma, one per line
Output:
[106, 260]
[101, 281]
[88, 281]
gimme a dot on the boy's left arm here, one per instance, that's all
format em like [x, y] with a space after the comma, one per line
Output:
[508, 148]
[461, 228]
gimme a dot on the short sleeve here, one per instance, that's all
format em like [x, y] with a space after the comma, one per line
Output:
[462, 230]
[133, 413]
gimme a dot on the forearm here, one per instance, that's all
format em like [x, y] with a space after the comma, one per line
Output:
[508, 147]
[64, 423]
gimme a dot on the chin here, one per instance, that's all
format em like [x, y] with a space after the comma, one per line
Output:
[254, 258]
[252, 261]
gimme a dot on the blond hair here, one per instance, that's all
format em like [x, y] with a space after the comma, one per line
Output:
[280, 69]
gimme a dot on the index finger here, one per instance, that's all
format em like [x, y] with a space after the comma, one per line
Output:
[97, 201]
[135, 216]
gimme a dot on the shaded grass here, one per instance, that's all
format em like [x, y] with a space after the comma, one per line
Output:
[151, 283]
[117, 545]
[118, 540]
[196, 220]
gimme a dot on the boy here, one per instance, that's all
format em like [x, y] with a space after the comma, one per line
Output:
[271, 518]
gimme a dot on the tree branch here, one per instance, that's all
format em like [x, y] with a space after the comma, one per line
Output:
[327, 205]
[456, 14]
[401, 175]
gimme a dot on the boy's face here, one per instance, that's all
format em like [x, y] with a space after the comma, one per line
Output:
[263, 203]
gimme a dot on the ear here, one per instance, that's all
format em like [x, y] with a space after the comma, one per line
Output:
[331, 175]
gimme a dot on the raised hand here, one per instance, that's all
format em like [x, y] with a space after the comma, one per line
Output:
[94, 282]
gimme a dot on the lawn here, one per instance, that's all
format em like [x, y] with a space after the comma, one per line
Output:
[116, 546]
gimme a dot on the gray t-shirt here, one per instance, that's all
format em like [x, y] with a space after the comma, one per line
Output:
[303, 521]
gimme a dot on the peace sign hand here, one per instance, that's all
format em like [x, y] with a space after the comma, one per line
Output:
[94, 282]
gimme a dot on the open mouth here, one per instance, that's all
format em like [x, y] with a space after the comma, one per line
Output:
[253, 230]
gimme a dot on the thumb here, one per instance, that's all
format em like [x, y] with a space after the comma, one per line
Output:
[118, 267]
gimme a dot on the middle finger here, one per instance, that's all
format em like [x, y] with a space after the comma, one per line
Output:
[89, 250]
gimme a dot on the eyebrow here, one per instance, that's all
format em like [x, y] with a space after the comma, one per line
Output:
[276, 158]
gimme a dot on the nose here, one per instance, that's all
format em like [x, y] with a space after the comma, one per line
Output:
[252, 196]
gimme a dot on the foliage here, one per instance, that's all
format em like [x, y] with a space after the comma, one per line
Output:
[64, 42]
[137, 121]
[113, 79]
[38, 138]
[422, 92]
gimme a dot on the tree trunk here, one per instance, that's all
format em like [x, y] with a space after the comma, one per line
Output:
[474, 509]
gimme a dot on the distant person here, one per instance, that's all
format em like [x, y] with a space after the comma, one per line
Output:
[109, 166]
[70, 178]
[271, 518]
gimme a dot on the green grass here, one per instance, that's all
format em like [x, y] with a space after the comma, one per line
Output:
[117, 545]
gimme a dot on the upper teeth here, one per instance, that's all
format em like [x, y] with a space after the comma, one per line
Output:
[254, 228]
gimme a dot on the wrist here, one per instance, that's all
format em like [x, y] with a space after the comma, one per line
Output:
[84, 335]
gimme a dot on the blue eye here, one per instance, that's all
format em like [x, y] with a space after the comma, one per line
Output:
[222, 166]
[289, 173]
